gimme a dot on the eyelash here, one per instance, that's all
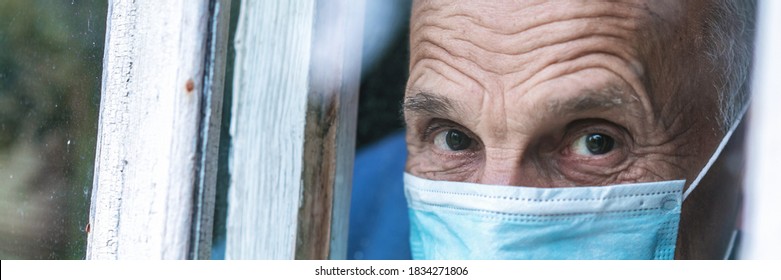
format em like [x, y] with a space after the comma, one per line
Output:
[435, 126]
[573, 131]
[584, 127]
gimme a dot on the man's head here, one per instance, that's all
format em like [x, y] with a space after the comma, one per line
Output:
[573, 93]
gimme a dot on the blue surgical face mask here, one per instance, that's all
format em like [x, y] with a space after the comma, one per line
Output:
[455, 220]
[452, 220]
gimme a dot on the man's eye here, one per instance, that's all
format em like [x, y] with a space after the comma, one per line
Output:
[453, 140]
[593, 144]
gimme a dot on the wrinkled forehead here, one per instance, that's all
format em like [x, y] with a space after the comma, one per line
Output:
[492, 31]
[511, 16]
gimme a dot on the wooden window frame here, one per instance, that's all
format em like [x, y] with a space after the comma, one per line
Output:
[293, 124]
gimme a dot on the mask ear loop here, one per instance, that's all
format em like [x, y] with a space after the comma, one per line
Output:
[711, 161]
[716, 154]
[731, 246]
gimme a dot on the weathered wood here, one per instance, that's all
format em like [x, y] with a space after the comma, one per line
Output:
[160, 98]
[272, 55]
[293, 128]
[763, 186]
[329, 146]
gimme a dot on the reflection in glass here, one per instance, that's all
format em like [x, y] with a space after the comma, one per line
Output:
[50, 73]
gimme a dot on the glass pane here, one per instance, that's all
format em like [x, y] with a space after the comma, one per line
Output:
[384, 75]
[50, 73]
[379, 228]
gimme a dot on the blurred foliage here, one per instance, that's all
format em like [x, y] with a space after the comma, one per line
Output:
[50, 72]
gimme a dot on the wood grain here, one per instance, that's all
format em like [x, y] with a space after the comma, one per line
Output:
[293, 128]
[267, 127]
[334, 78]
[152, 117]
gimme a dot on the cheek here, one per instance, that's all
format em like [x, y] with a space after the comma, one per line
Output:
[654, 167]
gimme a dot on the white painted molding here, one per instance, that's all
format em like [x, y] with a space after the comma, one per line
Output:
[297, 73]
[151, 178]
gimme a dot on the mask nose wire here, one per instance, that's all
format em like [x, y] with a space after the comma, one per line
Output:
[716, 154]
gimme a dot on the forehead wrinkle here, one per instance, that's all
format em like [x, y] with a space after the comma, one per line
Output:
[494, 107]
[509, 23]
[521, 29]
[522, 46]
[585, 62]
[505, 19]
[427, 49]
[432, 37]
[522, 66]
[502, 55]
[415, 77]
[424, 64]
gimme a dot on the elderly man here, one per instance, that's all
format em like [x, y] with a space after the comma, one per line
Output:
[599, 114]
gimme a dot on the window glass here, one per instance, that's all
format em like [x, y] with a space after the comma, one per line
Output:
[50, 74]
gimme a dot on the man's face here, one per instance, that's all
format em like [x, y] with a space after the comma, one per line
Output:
[553, 94]
[559, 93]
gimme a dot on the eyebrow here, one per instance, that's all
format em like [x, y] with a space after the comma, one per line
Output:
[589, 100]
[433, 105]
[426, 103]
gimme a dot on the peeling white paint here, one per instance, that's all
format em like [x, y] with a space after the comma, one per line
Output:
[142, 199]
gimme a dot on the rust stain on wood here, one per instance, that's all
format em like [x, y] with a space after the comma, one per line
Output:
[189, 86]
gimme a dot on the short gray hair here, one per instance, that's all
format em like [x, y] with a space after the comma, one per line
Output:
[730, 44]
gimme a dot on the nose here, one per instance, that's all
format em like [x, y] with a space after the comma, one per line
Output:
[506, 167]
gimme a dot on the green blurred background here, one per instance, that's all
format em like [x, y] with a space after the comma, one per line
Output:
[50, 67]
